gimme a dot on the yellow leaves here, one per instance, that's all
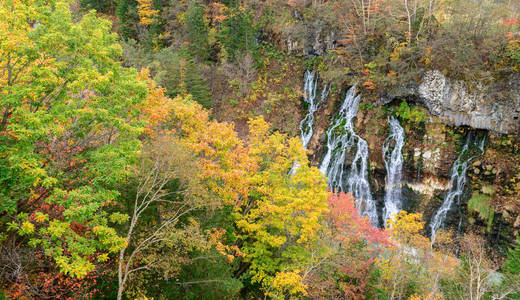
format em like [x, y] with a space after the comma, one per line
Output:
[397, 51]
[404, 226]
[428, 296]
[385, 267]
[57, 228]
[40, 217]
[102, 257]
[76, 266]
[290, 282]
[118, 218]
[26, 228]
[413, 260]
[287, 211]
[146, 12]
[258, 128]
[109, 238]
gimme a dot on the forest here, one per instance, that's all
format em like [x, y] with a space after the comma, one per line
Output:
[260, 149]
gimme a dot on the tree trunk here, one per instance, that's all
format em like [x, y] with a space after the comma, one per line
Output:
[409, 21]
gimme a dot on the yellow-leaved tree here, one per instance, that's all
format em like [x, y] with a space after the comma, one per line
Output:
[281, 220]
[279, 214]
[147, 13]
[413, 269]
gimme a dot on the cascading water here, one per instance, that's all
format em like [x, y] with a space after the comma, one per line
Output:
[340, 138]
[310, 86]
[394, 169]
[309, 96]
[458, 180]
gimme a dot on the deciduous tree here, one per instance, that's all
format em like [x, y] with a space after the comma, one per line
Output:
[161, 231]
[282, 218]
[69, 131]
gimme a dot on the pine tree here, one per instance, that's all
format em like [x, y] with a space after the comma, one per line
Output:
[197, 27]
[512, 264]
[237, 33]
[126, 11]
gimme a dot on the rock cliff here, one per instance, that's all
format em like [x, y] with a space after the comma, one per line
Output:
[480, 107]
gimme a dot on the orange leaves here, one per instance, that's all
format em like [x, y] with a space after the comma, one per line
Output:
[216, 12]
[349, 39]
[369, 85]
[230, 252]
[368, 74]
[373, 7]
[224, 160]
[156, 108]
[146, 12]
[510, 22]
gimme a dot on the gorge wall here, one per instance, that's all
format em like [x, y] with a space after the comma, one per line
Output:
[448, 110]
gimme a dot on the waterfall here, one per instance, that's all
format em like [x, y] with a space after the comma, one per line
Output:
[394, 169]
[340, 138]
[310, 86]
[458, 180]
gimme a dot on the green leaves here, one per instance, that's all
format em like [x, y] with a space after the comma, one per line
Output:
[76, 266]
[118, 218]
[482, 203]
[56, 229]
[70, 130]
[413, 115]
[198, 30]
[237, 32]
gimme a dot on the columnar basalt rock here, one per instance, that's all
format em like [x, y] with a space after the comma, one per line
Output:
[479, 107]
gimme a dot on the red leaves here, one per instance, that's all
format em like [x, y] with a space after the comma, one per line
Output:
[78, 227]
[348, 272]
[510, 22]
[46, 282]
[350, 224]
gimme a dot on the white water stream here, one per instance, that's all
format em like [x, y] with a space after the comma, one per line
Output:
[393, 157]
[458, 180]
[341, 140]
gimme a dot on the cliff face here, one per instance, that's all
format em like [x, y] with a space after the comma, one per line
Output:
[479, 104]
[451, 108]
[493, 107]
[480, 107]
[433, 144]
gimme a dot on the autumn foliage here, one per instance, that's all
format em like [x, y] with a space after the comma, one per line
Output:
[347, 221]
[347, 271]
[112, 174]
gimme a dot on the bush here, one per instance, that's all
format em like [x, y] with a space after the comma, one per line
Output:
[413, 115]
